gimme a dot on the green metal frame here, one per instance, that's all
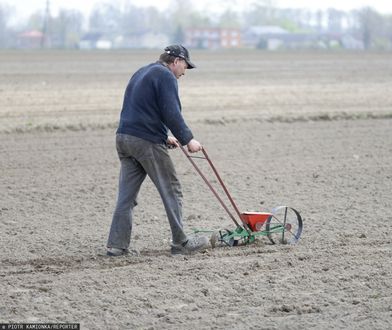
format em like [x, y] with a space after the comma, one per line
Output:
[240, 234]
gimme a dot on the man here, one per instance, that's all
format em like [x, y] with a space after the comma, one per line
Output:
[151, 107]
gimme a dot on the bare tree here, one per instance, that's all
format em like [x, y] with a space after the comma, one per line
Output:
[370, 25]
[4, 18]
[319, 21]
[66, 28]
[229, 19]
[388, 29]
[35, 21]
[335, 20]
[180, 12]
[106, 19]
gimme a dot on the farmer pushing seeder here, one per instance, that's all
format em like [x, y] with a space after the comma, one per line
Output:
[150, 109]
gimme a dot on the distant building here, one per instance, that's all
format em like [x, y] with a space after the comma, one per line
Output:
[148, 40]
[212, 38]
[30, 39]
[95, 40]
[268, 37]
[275, 37]
[103, 44]
[90, 40]
[349, 42]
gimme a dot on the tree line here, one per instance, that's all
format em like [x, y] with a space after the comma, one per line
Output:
[107, 19]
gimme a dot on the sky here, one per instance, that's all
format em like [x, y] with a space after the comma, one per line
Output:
[23, 8]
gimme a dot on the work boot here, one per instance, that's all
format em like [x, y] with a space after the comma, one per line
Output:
[115, 252]
[193, 244]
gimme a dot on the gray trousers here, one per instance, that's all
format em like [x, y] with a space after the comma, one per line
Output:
[139, 158]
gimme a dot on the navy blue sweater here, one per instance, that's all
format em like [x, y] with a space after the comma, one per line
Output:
[152, 106]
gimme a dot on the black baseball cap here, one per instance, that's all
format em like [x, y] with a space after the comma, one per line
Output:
[182, 52]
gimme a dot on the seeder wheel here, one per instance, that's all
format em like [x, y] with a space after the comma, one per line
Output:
[284, 225]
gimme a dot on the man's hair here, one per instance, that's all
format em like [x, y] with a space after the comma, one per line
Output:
[167, 58]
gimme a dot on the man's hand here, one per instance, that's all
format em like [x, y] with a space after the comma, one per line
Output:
[172, 142]
[194, 146]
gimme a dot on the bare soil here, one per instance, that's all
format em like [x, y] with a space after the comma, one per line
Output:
[308, 130]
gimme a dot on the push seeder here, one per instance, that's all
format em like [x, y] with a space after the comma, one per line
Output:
[282, 225]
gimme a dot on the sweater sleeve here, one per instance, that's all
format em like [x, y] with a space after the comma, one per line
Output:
[170, 105]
